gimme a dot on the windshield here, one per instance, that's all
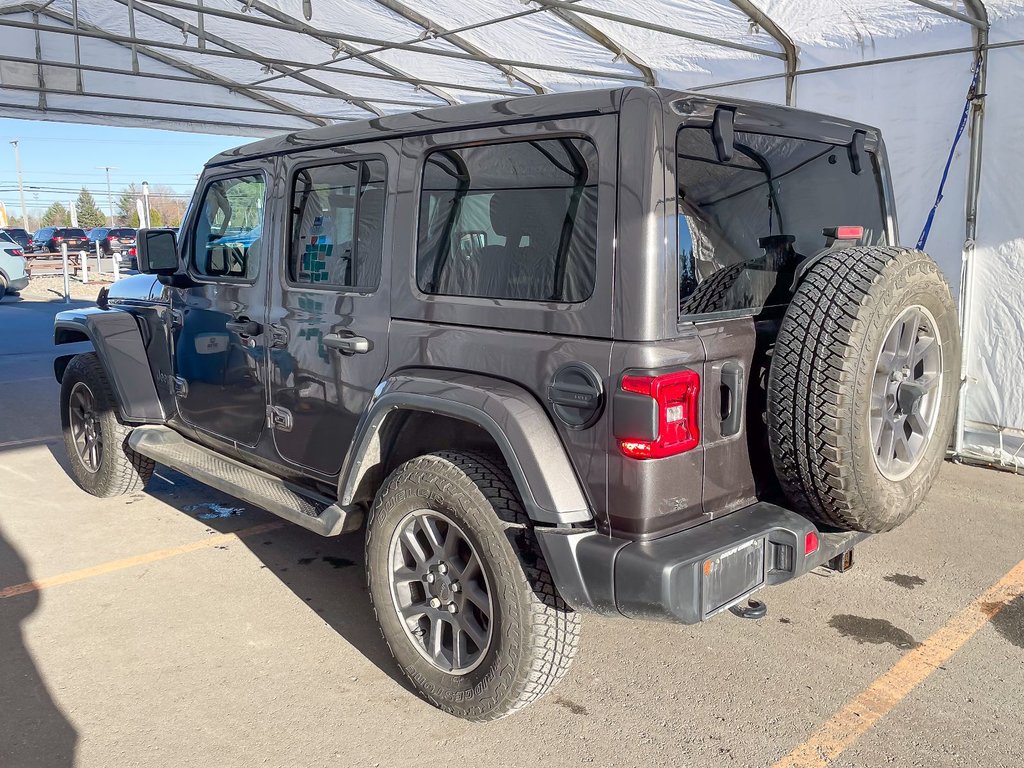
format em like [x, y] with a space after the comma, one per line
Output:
[745, 225]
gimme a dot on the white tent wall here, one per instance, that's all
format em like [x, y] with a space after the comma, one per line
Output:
[995, 363]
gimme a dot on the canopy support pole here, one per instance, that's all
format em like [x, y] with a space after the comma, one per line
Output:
[605, 41]
[765, 22]
[978, 12]
[435, 30]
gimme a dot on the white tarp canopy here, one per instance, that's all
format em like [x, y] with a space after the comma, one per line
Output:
[260, 67]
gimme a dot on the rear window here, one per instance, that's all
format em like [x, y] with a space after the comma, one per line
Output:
[745, 226]
[72, 233]
[123, 232]
[16, 232]
[510, 221]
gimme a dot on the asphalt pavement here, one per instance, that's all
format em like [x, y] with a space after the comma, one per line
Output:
[179, 627]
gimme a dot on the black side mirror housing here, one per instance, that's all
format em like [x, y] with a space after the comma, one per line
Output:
[157, 251]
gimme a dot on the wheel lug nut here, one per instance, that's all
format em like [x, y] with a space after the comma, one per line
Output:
[453, 608]
[430, 578]
[442, 568]
[435, 602]
[456, 587]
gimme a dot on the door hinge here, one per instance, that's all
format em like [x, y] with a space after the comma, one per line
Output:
[278, 335]
[279, 418]
[177, 318]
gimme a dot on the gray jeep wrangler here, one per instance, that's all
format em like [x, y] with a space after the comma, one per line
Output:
[634, 352]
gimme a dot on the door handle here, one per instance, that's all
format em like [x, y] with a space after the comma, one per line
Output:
[243, 326]
[347, 345]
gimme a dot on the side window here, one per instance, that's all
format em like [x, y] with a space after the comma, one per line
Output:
[510, 221]
[228, 232]
[338, 225]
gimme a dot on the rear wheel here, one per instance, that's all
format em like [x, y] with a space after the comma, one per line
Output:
[862, 387]
[462, 593]
[95, 439]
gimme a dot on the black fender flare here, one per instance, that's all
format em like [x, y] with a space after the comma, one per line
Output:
[516, 421]
[117, 340]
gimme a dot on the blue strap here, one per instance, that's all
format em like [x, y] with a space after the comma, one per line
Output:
[949, 160]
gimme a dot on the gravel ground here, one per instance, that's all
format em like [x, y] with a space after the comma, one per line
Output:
[51, 288]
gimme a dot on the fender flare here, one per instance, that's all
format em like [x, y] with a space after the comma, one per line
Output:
[518, 424]
[118, 342]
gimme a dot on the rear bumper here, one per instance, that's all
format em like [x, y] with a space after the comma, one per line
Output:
[18, 283]
[664, 579]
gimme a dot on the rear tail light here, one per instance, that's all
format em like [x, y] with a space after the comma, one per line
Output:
[676, 396]
[844, 232]
[57, 238]
[16, 252]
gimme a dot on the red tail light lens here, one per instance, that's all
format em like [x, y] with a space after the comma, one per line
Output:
[57, 238]
[16, 252]
[678, 397]
[810, 542]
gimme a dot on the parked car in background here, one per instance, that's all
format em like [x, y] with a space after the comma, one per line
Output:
[20, 236]
[49, 239]
[112, 239]
[13, 267]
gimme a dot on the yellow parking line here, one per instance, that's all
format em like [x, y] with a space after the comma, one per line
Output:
[130, 562]
[834, 736]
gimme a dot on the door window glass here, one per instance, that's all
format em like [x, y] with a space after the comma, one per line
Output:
[229, 228]
[510, 221]
[338, 225]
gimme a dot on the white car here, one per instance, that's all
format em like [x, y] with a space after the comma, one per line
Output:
[13, 267]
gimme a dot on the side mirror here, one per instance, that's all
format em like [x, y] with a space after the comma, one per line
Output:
[157, 251]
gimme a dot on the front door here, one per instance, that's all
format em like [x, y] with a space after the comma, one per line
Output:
[219, 353]
[331, 307]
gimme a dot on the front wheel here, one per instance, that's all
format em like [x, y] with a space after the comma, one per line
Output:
[94, 437]
[461, 590]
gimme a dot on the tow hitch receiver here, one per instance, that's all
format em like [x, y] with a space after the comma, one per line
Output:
[841, 563]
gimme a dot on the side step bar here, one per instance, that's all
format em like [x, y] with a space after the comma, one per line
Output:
[171, 449]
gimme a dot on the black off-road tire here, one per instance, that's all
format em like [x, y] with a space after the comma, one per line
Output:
[819, 386]
[534, 633]
[121, 470]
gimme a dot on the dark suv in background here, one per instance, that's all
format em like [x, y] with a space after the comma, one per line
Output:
[20, 236]
[633, 352]
[113, 240]
[49, 239]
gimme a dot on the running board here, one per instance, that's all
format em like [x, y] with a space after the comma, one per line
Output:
[316, 513]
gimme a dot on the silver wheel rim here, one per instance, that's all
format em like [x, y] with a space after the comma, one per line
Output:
[905, 393]
[85, 426]
[440, 592]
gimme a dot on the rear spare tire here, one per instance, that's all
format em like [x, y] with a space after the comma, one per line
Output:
[862, 387]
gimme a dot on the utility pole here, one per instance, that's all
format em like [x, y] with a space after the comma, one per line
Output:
[21, 186]
[110, 199]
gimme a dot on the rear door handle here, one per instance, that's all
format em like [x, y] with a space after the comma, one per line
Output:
[348, 345]
[243, 326]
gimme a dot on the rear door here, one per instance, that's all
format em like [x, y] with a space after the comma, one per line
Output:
[219, 324]
[330, 307]
[744, 226]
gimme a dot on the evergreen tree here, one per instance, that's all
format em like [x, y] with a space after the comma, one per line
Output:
[56, 216]
[89, 214]
[125, 214]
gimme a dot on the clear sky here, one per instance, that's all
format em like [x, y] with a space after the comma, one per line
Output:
[57, 159]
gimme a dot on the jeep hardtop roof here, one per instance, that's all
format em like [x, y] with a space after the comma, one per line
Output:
[769, 117]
